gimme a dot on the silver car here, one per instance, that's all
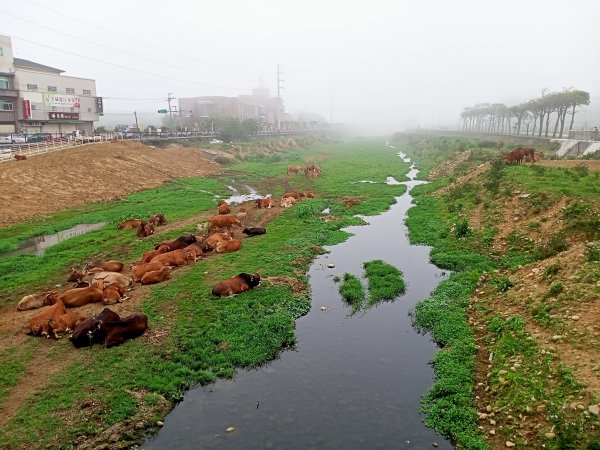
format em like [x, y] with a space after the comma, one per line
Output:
[13, 139]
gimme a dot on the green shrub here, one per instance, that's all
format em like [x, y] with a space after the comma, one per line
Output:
[462, 229]
[592, 251]
[502, 284]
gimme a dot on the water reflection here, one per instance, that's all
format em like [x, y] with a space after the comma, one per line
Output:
[354, 381]
[39, 244]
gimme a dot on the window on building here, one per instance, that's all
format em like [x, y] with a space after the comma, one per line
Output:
[4, 83]
[89, 109]
[54, 108]
[31, 87]
[51, 88]
[87, 92]
[6, 106]
[1, 51]
[70, 91]
[33, 107]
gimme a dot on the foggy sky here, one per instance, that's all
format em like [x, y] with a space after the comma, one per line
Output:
[385, 65]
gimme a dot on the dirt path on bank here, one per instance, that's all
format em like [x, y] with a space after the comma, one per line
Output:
[45, 184]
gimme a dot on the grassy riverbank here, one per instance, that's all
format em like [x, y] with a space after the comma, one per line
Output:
[519, 240]
[115, 396]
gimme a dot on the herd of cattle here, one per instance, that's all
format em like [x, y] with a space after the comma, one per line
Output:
[522, 154]
[103, 282]
[310, 171]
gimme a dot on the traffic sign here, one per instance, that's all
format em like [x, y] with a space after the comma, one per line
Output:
[162, 111]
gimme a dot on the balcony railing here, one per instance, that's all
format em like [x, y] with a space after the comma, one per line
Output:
[7, 116]
[12, 93]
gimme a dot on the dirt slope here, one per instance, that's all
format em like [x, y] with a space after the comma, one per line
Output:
[58, 181]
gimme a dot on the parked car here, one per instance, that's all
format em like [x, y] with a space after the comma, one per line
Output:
[40, 137]
[13, 139]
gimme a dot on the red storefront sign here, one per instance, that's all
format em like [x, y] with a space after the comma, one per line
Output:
[26, 110]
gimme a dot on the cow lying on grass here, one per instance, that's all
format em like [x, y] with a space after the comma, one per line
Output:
[236, 285]
[109, 329]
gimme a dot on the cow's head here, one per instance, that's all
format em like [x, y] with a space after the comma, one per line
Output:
[75, 275]
[50, 298]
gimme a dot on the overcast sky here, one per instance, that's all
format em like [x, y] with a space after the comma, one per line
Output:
[384, 64]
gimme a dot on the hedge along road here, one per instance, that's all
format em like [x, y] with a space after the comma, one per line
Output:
[356, 379]
[118, 395]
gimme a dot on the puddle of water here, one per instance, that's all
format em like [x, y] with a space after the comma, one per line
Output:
[392, 181]
[355, 382]
[39, 244]
[238, 197]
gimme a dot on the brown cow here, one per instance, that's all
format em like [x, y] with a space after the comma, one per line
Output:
[197, 249]
[85, 277]
[310, 194]
[147, 256]
[144, 229]
[113, 293]
[157, 276]
[62, 324]
[266, 203]
[538, 156]
[129, 224]
[174, 258]
[232, 245]
[528, 154]
[288, 201]
[76, 297]
[212, 241]
[129, 327]
[294, 169]
[293, 194]
[33, 301]
[20, 157]
[157, 220]
[139, 270]
[223, 221]
[514, 156]
[181, 242]
[88, 333]
[236, 285]
[108, 266]
[223, 208]
[38, 325]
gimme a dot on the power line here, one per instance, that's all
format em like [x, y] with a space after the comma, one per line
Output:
[130, 68]
[113, 33]
[154, 61]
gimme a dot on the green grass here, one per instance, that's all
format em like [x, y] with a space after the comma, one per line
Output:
[385, 281]
[352, 289]
[206, 337]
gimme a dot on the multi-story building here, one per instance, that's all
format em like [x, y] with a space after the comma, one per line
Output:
[36, 98]
[269, 111]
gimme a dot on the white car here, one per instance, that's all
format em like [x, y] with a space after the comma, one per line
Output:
[13, 139]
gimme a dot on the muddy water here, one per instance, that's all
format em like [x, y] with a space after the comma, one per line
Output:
[354, 381]
[241, 197]
[39, 244]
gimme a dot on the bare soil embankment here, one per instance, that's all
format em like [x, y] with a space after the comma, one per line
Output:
[58, 181]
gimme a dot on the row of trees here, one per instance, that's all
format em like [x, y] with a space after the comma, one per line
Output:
[499, 118]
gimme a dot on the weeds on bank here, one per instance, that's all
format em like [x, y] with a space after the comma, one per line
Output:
[516, 384]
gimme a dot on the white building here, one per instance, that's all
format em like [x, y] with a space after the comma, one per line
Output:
[38, 98]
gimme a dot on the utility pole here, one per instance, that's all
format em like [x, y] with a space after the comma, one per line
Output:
[279, 100]
[170, 97]
[136, 125]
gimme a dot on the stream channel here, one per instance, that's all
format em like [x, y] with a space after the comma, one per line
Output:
[354, 381]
